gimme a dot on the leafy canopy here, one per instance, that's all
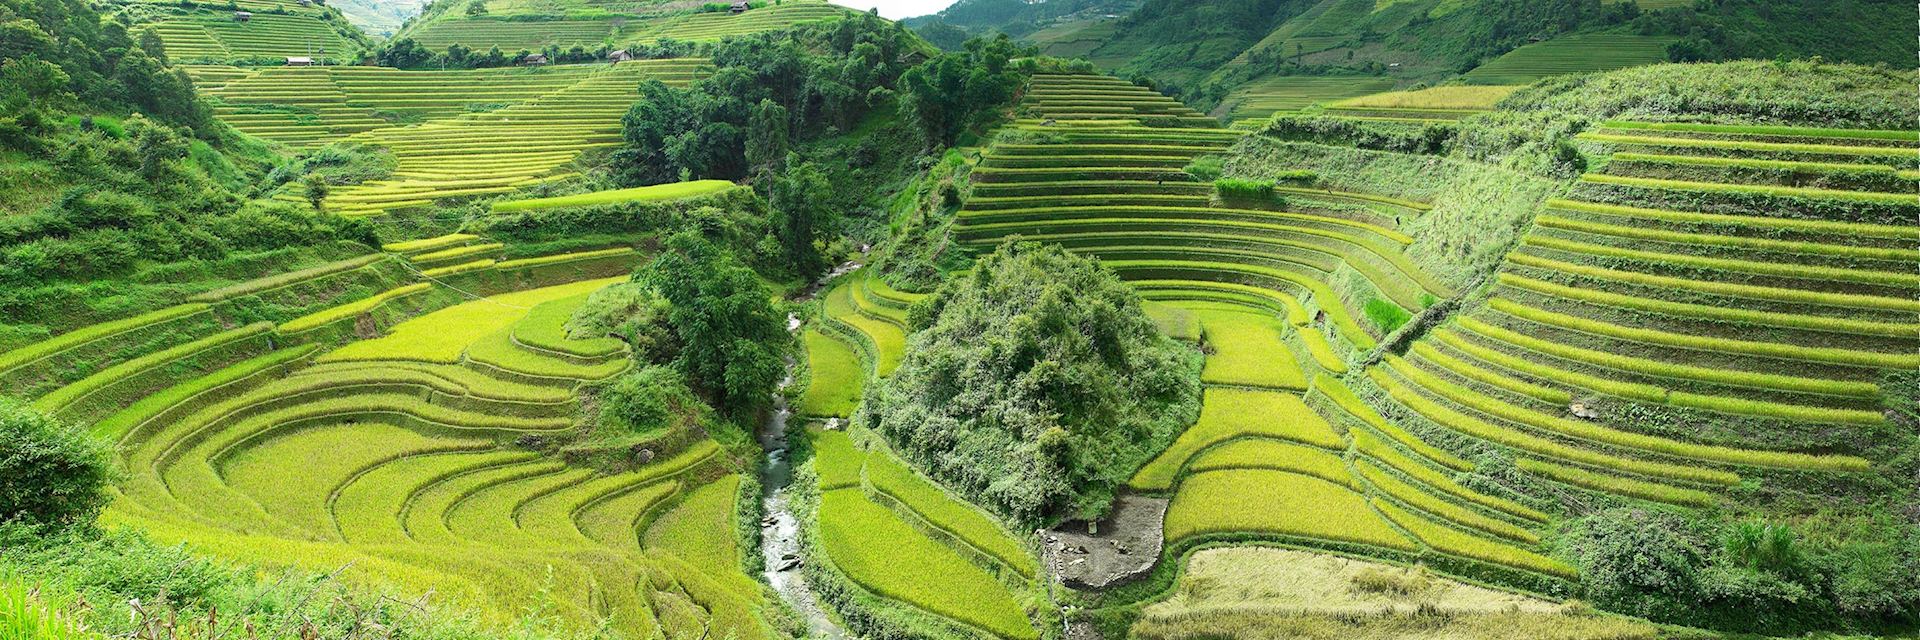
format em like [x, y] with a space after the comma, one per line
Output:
[49, 473]
[1037, 385]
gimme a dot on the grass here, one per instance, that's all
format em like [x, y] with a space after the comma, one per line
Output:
[349, 310]
[559, 258]
[1766, 130]
[701, 529]
[1570, 54]
[1731, 241]
[1867, 197]
[1825, 355]
[1450, 97]
[1672, 370]
[655, 193]
[263, 285]
[429, 244]
[837, 459]
[1734, 146]
[146, 409]
[1226, 414]
[76, 338]
[1757, 267]
[498, 349]
[442, 336]
[1487, 376]
[1262, 453]
[1616, 485]
[31, 612]
[893, 478]
[544, 328]
[1452, 542]
[1276, 502]
[837, 377]
[1516, 439]
[73, 393]
[1626, 439]
[1729, 289]
[1419, 498]
[888, 557]
[1173, 321]
[1379, 450]
[889, 340]
[1247, 350]
[1833, 227]
[1343, 397]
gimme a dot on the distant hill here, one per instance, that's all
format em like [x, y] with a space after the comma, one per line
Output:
[379, 17]
[1047, 20]
[1206, 51]
[533, 25]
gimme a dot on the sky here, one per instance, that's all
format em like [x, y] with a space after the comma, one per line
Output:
[897, 9]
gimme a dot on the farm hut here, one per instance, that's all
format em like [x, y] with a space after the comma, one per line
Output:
[620, 55]
[534, 60]
[242, 16]
[299, 61]
[739, 7]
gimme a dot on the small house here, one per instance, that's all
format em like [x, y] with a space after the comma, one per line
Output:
[739, 8]
[242, 16]
[620, 55]
[534, 60]
[299, 61]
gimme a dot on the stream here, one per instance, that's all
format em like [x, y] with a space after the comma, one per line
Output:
[780, 530]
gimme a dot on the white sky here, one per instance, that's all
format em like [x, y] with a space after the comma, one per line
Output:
[897, 9]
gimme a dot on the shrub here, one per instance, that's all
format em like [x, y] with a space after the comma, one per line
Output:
[50, 473]
[1239, 188]
[652, 400]
[1385, 314]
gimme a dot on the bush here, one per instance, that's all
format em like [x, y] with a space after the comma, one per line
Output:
[650, 401]
[1237, 188]
[49, 473]
[1204, 168]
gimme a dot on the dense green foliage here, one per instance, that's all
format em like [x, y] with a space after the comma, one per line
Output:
[1750, 575]
[1037, 385]
[49, 473]
[1877, 32]
[825, 77]
[955, 91]
[731, 338]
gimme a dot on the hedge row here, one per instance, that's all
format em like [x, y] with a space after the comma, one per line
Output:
[1616, 485]
[1625, 439]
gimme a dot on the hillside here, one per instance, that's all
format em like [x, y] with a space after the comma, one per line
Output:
[1463, 319]
[379, 18]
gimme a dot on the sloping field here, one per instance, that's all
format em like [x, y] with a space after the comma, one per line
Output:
[491, 131]
[1570, 54]
[519, 34]
[1280, 94]
[414, 474]
[214, 36]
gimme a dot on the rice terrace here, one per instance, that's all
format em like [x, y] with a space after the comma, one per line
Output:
[1018, 320]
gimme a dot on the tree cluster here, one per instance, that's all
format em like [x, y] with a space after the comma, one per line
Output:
[1036, 385]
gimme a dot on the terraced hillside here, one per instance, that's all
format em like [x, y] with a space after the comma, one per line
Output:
[418, 418]
[500, 29]
[484, 131]
[1571, 54]
[216, 36]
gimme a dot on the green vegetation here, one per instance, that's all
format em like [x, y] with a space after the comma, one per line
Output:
[638, 194]
[53, 474]
[1103, 401]
[1571, 54]
[836, 379]
[1227, 414]
[1276, 502]
[885, 555]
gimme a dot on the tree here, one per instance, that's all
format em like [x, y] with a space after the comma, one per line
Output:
[1035, 385]
[50, 473]
[317, 190]
[802, 197]
[954, 90]
[477, 8]
[404, 54]
[731, 338]
[767, 135]
[151, 43]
